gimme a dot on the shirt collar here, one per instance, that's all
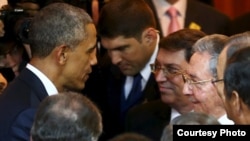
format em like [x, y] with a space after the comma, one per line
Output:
[225, 121]
[49, 86]
[162, 5]
[146, 71]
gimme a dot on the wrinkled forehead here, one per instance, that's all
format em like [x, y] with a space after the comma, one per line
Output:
[176, 58]
[199, 64]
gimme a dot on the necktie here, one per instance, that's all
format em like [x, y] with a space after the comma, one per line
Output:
[174, 24]
[136, 87]
[95, 11]
[134, 97]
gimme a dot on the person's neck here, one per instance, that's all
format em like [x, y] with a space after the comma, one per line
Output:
[218, 113]
[183, 107]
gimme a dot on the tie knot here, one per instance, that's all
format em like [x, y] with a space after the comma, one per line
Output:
[137, 77]
[172, 12]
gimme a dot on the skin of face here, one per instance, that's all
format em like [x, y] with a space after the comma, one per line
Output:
[13, 58]
[205, 98]
[220, 72]
[171, 88]
[129, 54]
[79, 62]
[220, 85]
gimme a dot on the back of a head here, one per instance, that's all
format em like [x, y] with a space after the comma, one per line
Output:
[236, 79]
[126, 18]
[183, 39]
[236, 42]
[191, 118]
[130, 137]
[57, 24]
[195, 118]
[67, 116]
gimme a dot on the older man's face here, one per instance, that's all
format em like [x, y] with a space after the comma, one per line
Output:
[202, 94]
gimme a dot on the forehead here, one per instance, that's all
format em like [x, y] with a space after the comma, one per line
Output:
[199, 64]
[91, 30]
[171, 57]
[113, 43]
[91, 35]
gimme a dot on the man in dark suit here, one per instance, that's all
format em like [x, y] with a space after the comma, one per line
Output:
[127, 31]
[174, 53]
[62, 40]
[191, 14]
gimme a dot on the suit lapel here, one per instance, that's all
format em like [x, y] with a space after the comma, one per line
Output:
[34, 83]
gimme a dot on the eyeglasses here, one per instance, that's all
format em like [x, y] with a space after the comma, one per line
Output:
[168, 72]
[199, 84]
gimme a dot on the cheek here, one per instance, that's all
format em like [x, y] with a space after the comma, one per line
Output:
[168, 98]
[220, 89]
[203, 94]
[228, 108]
[177, 82]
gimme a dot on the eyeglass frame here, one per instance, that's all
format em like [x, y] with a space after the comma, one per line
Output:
[213, 81]
[156, 68]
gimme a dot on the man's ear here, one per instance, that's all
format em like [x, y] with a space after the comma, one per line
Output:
[149, 35]
[235, 102]
[62, 54]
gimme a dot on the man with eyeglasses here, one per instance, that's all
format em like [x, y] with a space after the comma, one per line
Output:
[174, 53]
[201, 77]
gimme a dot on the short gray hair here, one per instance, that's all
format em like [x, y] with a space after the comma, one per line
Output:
[213, 45]
[57, 24]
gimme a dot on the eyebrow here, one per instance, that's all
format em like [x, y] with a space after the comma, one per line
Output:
[193, 76]
[92, 48]
[120, 47]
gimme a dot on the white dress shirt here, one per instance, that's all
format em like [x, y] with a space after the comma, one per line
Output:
[162, 6]
[225, 121]
[49, 86]
[145, 72]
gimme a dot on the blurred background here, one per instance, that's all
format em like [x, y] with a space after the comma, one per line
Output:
[232, 8]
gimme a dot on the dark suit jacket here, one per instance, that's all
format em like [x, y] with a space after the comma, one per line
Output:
[111, 99]
[208, 18]
[149, 119]
[18, 104]
[240, 24]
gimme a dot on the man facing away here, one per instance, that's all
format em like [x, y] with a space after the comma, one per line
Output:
[67, 116]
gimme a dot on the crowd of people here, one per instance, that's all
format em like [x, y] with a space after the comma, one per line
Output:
[124, 76]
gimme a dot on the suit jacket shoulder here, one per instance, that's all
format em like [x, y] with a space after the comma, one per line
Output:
[207, 17]
[149, 119]
[25, 92]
